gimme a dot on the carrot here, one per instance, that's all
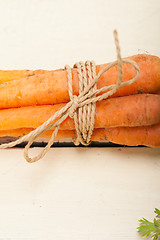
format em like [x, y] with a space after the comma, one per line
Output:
[20, 132]
[130, 136]
[134, 110]
[51, 87]
[10, 75]
[134, 136]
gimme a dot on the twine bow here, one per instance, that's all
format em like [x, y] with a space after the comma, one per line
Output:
[82, 107]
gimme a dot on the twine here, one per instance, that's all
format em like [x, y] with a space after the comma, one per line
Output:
[82, 107]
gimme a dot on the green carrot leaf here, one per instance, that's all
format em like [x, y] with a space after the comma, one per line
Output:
[157, 212]
[146, 228]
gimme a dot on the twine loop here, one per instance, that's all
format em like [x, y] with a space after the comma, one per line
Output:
[82, 107]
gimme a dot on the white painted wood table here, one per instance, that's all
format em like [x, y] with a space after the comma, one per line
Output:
[76, 193]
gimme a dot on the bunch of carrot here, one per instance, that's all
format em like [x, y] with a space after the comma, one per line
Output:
[130, 117]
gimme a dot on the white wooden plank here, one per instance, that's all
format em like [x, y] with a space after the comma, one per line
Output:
[83, 193]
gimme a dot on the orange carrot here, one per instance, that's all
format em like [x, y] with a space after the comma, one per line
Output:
[10, 75]
[134, 136]
[130, 136]
[20, 132]
[134, 110]
[51, 87]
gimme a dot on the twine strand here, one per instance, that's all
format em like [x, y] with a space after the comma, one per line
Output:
[82, 107]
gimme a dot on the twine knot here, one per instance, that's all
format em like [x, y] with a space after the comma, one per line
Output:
[82, 107]
[74, 106]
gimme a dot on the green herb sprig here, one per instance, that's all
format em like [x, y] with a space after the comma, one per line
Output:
[148, 228]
